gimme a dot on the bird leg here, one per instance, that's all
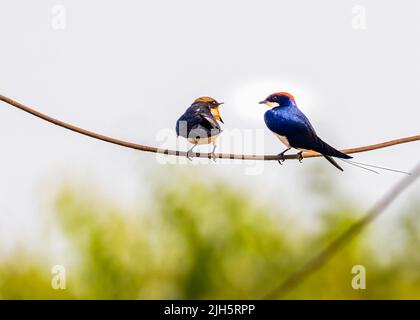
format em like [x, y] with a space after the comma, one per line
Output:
[282, 156]
[300, 156]
[190, 151]
[213, 156]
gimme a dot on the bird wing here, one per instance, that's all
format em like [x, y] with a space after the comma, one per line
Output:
[197, 116]
[211, 120]
[298, 130]
[302, 135]
[296, 127]
[202, 112]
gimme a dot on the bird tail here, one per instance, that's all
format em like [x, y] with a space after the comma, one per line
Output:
[333, 162]
[329, 152]
[362, 166]
[326, 150]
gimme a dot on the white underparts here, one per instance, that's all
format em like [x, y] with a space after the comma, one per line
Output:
[284, 140]
[206, 140]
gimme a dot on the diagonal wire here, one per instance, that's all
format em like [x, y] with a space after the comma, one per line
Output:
[325, 255]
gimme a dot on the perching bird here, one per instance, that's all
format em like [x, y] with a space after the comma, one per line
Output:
[199, 123]
[294, 130]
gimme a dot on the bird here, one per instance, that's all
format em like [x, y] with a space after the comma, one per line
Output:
[294, 129]
[199, 123]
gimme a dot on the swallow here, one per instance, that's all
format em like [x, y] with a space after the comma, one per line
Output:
[199, 123]
[294, 130]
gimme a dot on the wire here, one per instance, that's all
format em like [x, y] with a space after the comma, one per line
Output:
[196, 155]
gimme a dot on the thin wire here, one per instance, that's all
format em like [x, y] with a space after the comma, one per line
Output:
[325, 255]
[196, 155]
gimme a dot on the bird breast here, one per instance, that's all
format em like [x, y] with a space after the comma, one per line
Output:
[284, 140]
[206, 140]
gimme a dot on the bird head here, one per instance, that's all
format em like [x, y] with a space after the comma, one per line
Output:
[278, 99]
[213, 105]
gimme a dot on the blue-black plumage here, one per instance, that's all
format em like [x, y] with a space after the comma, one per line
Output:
[199, 123]
[294, 129]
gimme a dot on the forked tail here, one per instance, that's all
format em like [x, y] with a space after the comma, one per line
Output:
[333, 162]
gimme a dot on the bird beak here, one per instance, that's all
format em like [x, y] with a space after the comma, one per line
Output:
[220, 118]
[216, 113]
[262, 102]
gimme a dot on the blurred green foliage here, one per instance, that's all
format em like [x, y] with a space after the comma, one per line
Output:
[196, 240]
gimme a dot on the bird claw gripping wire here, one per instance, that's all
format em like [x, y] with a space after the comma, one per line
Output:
[189, 152]
[212, 154]
[300, 156]
[281, 155]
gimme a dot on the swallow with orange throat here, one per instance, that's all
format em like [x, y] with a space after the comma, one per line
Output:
[199, 123]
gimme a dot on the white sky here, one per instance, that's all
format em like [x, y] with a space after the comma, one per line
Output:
[128, 69]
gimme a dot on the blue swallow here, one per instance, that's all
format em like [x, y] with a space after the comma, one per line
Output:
[199, 123]
[294, 130]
